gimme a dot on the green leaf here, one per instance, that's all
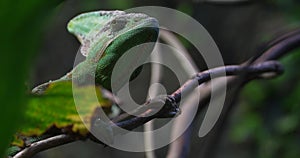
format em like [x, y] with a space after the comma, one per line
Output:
[55, 108]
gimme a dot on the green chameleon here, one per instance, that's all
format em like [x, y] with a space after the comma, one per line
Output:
[104, 36]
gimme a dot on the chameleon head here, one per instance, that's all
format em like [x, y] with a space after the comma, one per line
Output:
[127, 22]
[106, 35]
[122, 26]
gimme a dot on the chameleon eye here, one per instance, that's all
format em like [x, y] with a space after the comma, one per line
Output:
[118, 24]
[113, 22]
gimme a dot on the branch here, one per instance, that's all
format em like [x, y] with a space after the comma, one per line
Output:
[170, 109]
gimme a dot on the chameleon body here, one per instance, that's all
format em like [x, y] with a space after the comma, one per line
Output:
[105, 36]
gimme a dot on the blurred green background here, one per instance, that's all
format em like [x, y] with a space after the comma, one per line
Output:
[265, 119]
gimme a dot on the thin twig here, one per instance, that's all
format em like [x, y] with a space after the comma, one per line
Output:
[259, 69]
[280, 49]
[180, 146]
[45, 144]
[156, 73]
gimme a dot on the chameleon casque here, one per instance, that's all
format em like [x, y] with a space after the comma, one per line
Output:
[104, 36]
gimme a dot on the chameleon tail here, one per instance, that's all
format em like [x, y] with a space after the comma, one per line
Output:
[40, 89]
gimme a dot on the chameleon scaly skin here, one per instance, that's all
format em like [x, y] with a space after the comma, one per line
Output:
[105, 36]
